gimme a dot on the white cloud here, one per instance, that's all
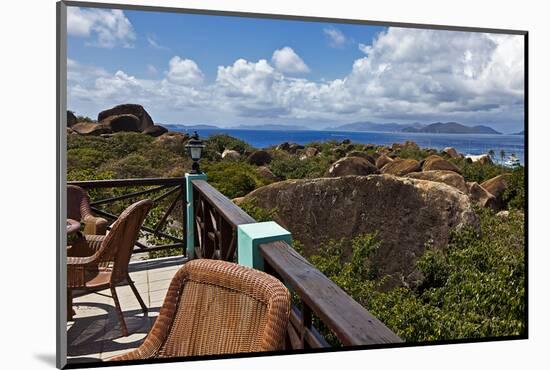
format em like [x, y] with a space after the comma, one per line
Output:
[364, 48]
[406, 75]
[105, 28]
[428, 73]
[286, 60]
[245, 78]
[152, 41]
[184, 71]
[336, 38]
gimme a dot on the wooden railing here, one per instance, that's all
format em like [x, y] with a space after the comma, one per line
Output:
[351, 323]
[216, 222]
[166, 194]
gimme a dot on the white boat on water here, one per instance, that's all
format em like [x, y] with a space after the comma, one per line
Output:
[512, 161]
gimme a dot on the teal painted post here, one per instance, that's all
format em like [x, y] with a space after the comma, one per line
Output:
[249, 238]
[190, 227]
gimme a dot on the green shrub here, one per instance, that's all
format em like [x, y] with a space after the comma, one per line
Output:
[233, 178]
[412, 152]
[85, 174]
[473, 288]
[514, 195]
[125, 143]
[133, 166]
[324, 147]
[477, 172]
[291, 167]
[84, 119]
[86, 158]
[216, 144]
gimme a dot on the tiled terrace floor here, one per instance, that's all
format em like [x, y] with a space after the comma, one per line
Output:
[94, 335]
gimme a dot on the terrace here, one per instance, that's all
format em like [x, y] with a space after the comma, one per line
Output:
[193, 219]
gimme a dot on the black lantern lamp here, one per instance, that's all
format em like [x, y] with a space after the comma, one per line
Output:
[195, 147]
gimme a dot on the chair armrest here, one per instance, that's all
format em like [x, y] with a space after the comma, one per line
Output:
[94, 242]
[95, 225]
[74, 262]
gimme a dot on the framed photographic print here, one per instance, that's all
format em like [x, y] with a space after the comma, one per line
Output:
[236, 184]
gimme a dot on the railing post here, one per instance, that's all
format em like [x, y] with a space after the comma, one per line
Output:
[190, 227]
[249, 238]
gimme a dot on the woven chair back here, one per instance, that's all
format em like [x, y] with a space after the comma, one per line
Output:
[119, 243]
[218, 307]
[78, 203]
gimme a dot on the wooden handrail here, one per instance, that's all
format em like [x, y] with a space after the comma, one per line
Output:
[232, 213]
[350, 322]
[112, 183]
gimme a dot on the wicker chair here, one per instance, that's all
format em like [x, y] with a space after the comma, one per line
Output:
[217, 307]
[108, 266]
[78, 208]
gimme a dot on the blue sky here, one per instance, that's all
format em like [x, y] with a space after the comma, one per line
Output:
[218, 40]
[188, 69]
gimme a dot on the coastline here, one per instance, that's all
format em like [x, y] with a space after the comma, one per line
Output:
[469, 144]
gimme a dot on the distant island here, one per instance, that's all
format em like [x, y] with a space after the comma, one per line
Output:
[452, 128]
[522, 132]
[433, 128]
[376, 127]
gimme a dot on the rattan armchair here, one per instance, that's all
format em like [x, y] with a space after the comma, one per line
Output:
[108, 266]
[217, 307]
[78, 208]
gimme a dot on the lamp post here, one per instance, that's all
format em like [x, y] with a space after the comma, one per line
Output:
[195, 147]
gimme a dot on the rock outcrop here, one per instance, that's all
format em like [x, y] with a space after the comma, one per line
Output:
[497, 186]
[144, 119]
[367, 156]
[351, 166]
[435, 162]
[483, 159]
[293, 148]
[481, 197]
[309, 152]
[382, 160]
[260, 158]
[230, 154]
[91, 128]
[71, 119]
[407, 214]
[266, 173]
[283, 146]
[155, 131]
[451, 152]
[129, 118]
[174, 141]
[401, 167]
[122, 123]
[406, 146]
[447, 177]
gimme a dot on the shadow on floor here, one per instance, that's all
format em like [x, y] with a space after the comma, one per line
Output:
[101, 333]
